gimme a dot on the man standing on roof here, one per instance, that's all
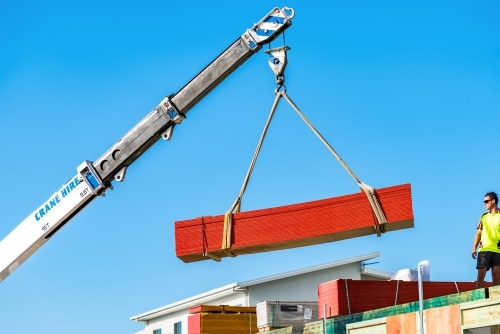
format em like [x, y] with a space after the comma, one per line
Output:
[488, 239]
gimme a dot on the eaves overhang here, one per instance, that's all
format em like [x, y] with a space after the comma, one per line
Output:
[188, 302]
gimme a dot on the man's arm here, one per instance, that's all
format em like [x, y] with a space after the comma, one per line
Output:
[477, 238]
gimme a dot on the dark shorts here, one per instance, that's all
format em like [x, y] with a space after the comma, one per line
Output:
[488, 260]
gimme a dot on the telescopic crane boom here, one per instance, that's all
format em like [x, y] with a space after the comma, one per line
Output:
[94, 178]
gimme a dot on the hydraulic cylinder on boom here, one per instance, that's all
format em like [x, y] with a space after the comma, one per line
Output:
[93, 179]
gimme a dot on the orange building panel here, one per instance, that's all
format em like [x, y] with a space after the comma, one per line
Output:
[403, 324]
[443, 320]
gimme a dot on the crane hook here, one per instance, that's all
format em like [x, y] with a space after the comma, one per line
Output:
[278, 61]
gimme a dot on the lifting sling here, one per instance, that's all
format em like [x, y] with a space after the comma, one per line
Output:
[278, 63]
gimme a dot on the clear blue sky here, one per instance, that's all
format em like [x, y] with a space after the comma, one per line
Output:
[405, 92]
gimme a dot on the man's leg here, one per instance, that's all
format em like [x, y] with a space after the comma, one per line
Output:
[495, 275]
[483, 263]
[481, 273]
[495, 268]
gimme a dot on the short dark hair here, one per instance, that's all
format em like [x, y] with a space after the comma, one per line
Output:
[492, 195]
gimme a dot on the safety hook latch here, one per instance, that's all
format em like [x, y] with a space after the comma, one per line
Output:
[278, 62]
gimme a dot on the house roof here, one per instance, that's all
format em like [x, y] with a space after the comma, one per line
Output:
[308, 269]
[233, 287]
[186, 303]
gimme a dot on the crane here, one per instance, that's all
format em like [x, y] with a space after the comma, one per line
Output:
[94, 178]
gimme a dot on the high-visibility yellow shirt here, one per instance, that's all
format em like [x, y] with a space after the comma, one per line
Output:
[489, 224]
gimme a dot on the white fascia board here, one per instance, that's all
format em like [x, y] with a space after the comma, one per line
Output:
[360, 258]
[376, 273]
[186, 303]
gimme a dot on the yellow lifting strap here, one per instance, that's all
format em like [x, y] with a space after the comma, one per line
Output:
[236, 207]
[369, 191]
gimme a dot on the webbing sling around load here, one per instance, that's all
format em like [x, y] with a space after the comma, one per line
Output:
[228, 217]
[236, 207]
[278, 62]
[369, 191]
[381, 220]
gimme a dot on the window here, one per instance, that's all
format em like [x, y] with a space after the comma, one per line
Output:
[157, 331]
[178, 327]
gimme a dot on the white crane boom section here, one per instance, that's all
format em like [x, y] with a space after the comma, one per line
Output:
[94, 178]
